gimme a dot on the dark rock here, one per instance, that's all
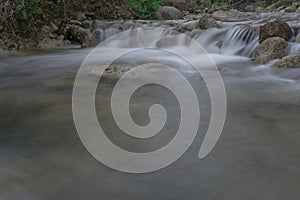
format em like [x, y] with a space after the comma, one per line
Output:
[168, 13]
[290, 61]
[276, 28]
[77, 34]
[272, 48]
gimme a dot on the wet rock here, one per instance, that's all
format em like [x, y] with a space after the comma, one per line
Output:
[258, 10]
[276, 28]
[291, 9]
[234, 16]
[167, 41]
[77, 34]
[1, 28]
[86, 24]
[298, 10]
[206, 22]
[290, 61]
[189, 26]
[75, 22]
[272, 48]
[168, 13]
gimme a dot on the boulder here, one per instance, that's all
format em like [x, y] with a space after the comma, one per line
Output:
[168, 13]
[276, 28]
[206, 22]
[272, 48]
[290, 61]
[234, 16]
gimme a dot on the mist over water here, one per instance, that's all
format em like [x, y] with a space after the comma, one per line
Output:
[257, 156]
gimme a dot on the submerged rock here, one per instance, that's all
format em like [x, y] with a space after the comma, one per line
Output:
[168, 13]
[276, 28]
[290, 61]
[272, 48]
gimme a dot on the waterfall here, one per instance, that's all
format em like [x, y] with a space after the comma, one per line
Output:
[240, 40]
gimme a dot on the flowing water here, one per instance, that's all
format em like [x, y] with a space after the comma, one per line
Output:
[257, 156]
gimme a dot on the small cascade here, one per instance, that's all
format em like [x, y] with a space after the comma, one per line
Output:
[240, 40]
[211, 39]
[293, 47]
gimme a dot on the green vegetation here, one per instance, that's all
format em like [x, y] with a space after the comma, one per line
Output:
[146, 8]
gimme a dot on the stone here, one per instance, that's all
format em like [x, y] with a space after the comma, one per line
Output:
[258, 10]
[60, 37]
[75, 22]
[53, 27]
[298, 10]
[291, 9]
[206, 22]
[189, 26]
[276, 28]
[167, 41]
[272, 48]
[77, 34]
[86, 24]
[249, 8]
[169, 13]
[290, 61]
[45, 30]
[80, 16]
[234, 16]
